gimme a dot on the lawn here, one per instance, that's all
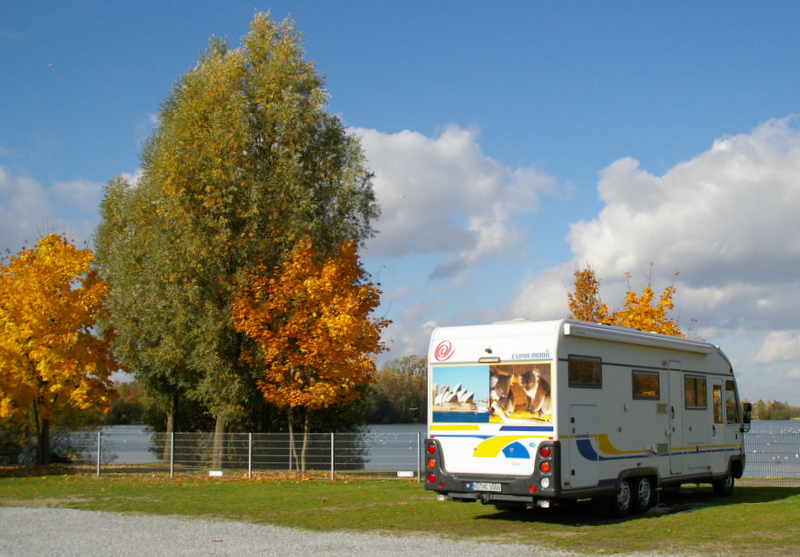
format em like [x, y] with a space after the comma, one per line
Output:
[754, 521]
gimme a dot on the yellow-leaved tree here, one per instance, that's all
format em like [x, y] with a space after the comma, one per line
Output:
[639, 311]
[50, 356]
[584, 303]
[312, 325]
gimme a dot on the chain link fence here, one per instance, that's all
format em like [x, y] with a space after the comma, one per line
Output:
[772, 458]
[324, 455]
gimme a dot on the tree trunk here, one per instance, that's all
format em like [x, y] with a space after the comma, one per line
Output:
[172, 410]
[219, 443]
[43, 449]
[306, 423]
[292, 448]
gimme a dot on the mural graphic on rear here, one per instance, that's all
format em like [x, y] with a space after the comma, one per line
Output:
[500, 393]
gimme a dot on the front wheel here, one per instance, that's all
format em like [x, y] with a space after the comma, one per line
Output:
[723, 487]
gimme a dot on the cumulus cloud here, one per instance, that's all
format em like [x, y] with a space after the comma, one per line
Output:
[727, 215]
[444, 195]
[779, 346]
[727, 220]
[28, 209]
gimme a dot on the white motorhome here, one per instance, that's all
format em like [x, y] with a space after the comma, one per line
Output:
[530, 413]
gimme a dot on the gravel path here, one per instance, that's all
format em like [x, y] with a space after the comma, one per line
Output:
[34, 532]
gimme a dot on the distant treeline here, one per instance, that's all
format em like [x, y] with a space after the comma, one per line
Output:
[774, 410]
[398, 395]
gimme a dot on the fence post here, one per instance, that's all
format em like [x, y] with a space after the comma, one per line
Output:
[250, 456]
[99, 433]
[419, 456]
[333, 453]
[172, 454]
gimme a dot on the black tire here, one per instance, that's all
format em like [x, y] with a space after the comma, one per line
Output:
[644, 495]
[724, 487]
[621, 503]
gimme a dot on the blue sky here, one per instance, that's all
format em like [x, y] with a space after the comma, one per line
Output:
[512, 142]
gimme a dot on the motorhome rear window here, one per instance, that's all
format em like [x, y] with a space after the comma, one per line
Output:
[585, 372]
[646, 385]
[695, 392]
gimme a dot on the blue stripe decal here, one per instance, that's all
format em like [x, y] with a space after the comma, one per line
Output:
[586, 449]
[516, 450]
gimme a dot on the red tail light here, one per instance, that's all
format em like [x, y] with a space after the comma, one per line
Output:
[431, 448]
[431, 478]
[545, 452]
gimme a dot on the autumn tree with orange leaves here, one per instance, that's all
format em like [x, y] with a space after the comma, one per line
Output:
[639, 311]
[50, 357]
[311, 323]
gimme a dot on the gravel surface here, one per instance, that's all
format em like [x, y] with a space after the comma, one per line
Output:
[28, 531]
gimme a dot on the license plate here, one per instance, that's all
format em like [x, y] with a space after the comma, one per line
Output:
[484, 486]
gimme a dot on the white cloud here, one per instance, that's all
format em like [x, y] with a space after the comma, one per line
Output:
[779, 346]
[29, 210]
[444, 195]
[79, 193]
[727, 220]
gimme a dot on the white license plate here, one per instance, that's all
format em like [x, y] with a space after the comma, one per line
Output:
[484, 486]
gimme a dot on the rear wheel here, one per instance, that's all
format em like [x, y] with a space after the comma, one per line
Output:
[620, 505]
[723, 487]
[643, 494]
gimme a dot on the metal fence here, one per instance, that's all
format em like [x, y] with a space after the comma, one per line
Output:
[772, 458]
[328, 455]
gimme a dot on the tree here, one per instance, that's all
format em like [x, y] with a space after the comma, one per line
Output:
[399, 394]
[311, 323]
[639, 311]
[585, 303]
[51, 358]
[244, 162]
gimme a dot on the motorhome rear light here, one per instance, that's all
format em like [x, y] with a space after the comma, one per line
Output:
[431, 463]
[545, 483]
[544, 467]
[544, 451]
[431, 478]
[431, 448]
[441, 484]
[532, 489]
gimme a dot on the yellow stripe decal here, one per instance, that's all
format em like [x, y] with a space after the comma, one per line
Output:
[455, 428]
[492, 447]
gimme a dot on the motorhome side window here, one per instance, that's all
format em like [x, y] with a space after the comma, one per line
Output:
[694, 392]
[585, 372]
[646, 385]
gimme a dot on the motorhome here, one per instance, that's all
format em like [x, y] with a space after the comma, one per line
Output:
[525, 413]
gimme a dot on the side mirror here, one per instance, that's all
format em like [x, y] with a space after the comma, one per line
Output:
[747, 408]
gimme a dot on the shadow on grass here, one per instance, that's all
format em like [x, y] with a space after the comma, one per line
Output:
[688, 498]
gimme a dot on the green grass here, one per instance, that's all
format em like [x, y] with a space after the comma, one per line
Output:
[754, 521]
